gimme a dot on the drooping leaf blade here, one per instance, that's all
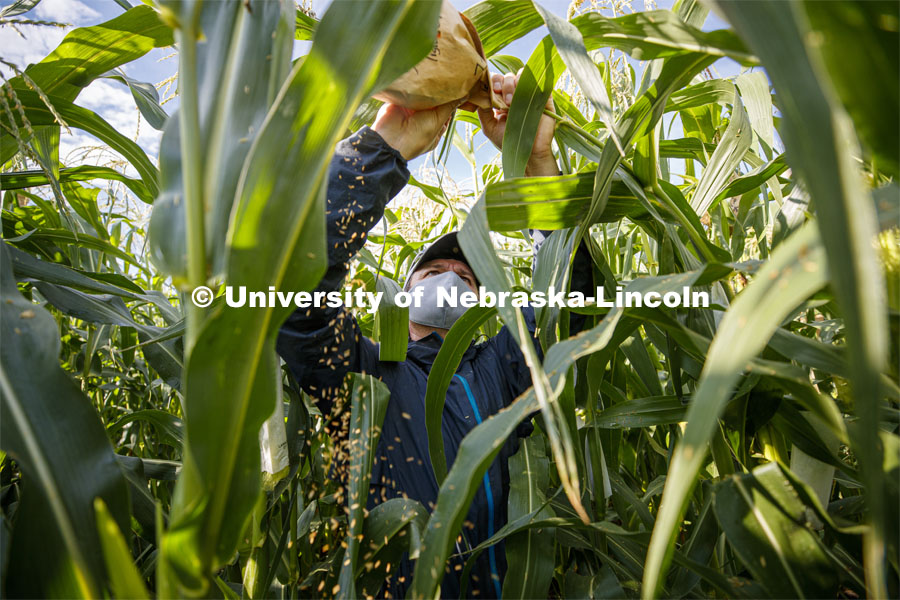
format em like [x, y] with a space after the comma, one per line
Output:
[44, 416]
[81, 118]
[88, 52]
[794, 272]
[821, 145]
[16, 180]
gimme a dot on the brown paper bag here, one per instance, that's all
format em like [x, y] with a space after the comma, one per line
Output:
[455, 70]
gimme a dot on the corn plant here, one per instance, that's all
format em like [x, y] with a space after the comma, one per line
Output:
[748, 449]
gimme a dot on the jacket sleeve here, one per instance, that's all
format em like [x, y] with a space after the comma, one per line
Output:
[322, 345]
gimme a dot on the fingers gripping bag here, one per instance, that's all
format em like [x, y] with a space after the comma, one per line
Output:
[455, 70]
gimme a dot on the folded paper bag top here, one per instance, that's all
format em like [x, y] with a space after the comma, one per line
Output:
[455, 70]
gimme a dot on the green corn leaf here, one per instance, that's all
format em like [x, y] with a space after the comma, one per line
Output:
[84, 202]
[474, 456]
[536, 83]
[569, 529]
[679, 206]
[235, 62]
[575, 138]
[689, 147]
[25, 265]
[94, 309]
[795, 271]
[692, 12]
[714, 91]
[642, 412]
[125, 581]
[570, 46]
[554, 202]
[551, 269]
[757, 100]
[529, 554]
[164, 354]
[391, 529]
[658, 34]
[391, 323]
[368, 400]
[64, 236]
[791, 215]
[753, 179]
[730, 150]
[164, 470]
[507, 64]
[601, 585]
[44, 416]
[636, 352]
[637, 121]
[458, 340]
[86, 53]
[761, 518]
[475, 241]
[501, 22]
[45, 145]
[17, 180]
[821, 144]
[280, 196]
[145, 96]
[698, 548]
[858, 42]
[481, 445]
[305, 26]
[37, 113]
[17, 7]
[143, 508]
[808, 496]
[169, 428]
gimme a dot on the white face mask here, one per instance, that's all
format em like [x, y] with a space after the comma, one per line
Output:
[428, 312]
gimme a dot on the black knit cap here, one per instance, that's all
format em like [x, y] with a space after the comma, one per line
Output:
[446, 246]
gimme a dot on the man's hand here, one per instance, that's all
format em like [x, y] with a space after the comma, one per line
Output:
[493, 124]
[413, 132]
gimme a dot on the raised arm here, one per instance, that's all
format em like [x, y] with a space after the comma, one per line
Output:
[322, 345]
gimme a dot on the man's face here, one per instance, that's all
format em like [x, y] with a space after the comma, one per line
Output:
[442, 265]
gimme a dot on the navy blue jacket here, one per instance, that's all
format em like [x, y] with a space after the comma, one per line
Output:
[321, 346]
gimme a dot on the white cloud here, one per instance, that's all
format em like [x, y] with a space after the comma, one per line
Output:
[40, 40]
[38, 43]
[105, 93]
[66, 11]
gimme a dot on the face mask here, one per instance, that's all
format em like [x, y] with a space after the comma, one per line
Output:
[428, 312]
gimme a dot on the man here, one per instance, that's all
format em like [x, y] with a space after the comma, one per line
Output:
[322, 345]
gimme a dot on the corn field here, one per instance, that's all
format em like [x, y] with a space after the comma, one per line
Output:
[751, 449]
